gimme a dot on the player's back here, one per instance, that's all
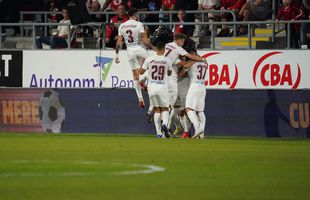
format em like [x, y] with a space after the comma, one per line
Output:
[131, 31]
[173, 51]
[197, 74]
[158, 67]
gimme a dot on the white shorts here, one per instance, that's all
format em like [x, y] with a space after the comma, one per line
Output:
[173, 97]
[195, 99]
[173, 91]
[159, 98]
[136, 56]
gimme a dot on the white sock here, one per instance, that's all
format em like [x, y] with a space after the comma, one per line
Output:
[177, 118]
[171, 118]
[202, 119]
[183, 122]
[194, 119]
[188, 123]
[157, 122]
[150, 108]
[165, 117]
[138, 90]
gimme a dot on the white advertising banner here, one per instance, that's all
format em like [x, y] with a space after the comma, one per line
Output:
[287, 69]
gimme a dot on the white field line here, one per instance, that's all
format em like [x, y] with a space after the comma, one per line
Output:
[147, 169]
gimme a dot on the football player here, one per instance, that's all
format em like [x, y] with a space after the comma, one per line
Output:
[195, 99]
[158, 68]
[132, 31]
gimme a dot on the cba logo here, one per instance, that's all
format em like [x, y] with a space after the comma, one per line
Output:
[11, 68]
[221, 74]
[270, 73]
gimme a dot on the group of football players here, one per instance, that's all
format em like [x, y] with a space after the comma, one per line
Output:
[174, 79]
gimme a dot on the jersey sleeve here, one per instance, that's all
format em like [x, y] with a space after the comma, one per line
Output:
[145, 64]
[181, 51]
[169, 64]
[142, 28]
[176, 61]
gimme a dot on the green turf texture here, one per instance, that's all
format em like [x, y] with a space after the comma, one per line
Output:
[213, 168]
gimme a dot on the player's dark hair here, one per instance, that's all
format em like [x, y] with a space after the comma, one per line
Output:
[132, 12]
[192, 51]
[160, 45]
[179, 36]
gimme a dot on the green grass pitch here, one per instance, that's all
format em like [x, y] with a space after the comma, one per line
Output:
[94, 166]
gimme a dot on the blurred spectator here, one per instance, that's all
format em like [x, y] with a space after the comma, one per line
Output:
[206, 5]
[291, 12]
[233, 5]
[185, 29]
[256, 10]
[53, 8]
[168, 4]
[60, 38]
[165, 6]
[92, 6]
[113, 4]
[188, 5]
[147, 5]
[112, 29]
[305, 29]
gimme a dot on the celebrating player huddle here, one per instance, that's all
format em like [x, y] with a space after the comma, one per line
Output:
[176, 88]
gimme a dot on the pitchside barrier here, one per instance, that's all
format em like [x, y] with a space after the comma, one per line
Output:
[249, 93]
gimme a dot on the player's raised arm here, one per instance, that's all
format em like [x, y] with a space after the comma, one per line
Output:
[196, 58]
[189, 64]
[118, 47]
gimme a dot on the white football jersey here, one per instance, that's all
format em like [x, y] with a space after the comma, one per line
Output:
[131, 31]
[157, 68]
[173, 51]
[197, 73]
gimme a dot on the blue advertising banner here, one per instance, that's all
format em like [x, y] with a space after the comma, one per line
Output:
[262, 113]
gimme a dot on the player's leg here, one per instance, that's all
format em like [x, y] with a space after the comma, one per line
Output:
[183, 90]
[165, 118]
[192, 115]
[176, 121]
[149, 113]
[143, 81]
[137, 87]
[201, 114]
[185, 123]
[164, 104]
[135, 67]
[202, 120]
[157, 121]
[157, 114]
[173, 96]
[191, 106]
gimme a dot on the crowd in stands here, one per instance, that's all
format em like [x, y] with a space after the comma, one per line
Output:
[244, 10]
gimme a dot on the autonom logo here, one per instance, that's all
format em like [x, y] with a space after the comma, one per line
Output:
[105, 65]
